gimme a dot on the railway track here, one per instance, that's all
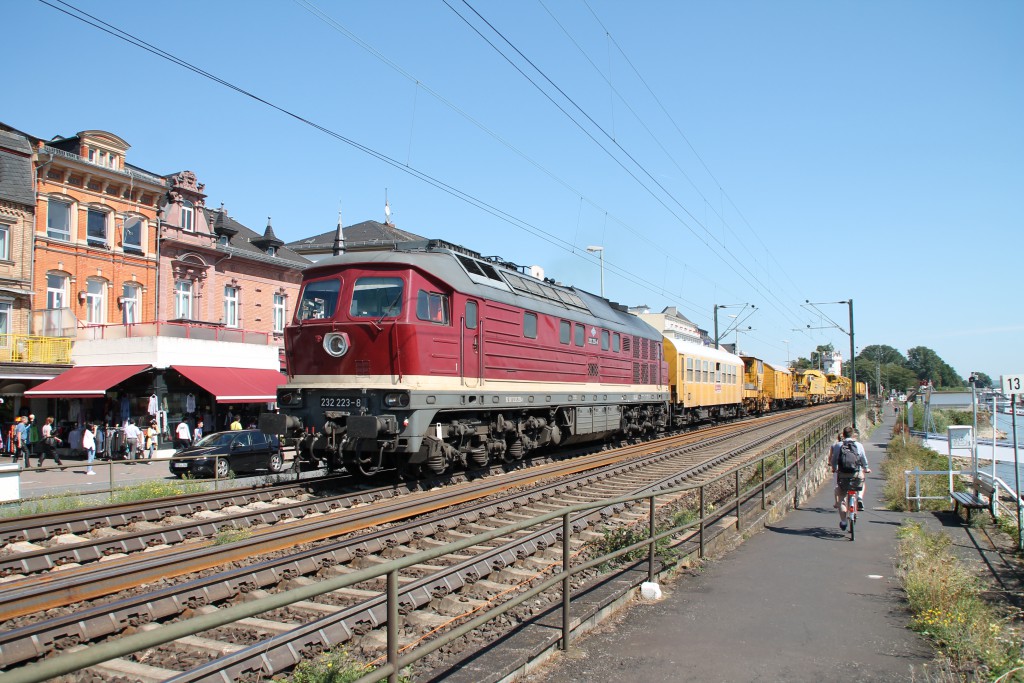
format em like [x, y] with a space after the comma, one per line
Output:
[269, 562]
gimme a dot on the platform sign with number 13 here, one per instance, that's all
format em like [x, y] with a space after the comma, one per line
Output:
[1013, 384]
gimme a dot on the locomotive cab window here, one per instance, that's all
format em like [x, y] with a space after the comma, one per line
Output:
[319, 300]
[376, 297]
[432, 306]
[530, 325]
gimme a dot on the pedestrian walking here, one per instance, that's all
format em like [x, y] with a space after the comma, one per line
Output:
[198, 433]
[236, 426]
[49, 442]
[89, 446]
[183, 435]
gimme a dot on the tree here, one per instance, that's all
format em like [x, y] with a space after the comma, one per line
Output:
[802, 364]
[927, 365]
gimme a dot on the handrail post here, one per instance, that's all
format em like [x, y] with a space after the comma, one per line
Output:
[393, 625]
[785, 469]
[917, 488]
[566, 583]
[701, 518]
[110, 478]
[650, 549]
[738, 525]
[764, 498]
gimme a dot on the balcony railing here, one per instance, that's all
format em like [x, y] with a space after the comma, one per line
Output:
[129, 172]
[181, 329]
[30, 348]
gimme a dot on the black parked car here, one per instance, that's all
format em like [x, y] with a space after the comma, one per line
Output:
[246, 450]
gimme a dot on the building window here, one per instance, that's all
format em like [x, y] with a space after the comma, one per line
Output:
[131, 238]
[97, 228]
[530, 325]
[187, 216]
[131, 305]
[95, 300]
[5, 242]
[58, 220]
[56, 291]
[5, 321]
[231, 306]
[183, 299]
[279, 312]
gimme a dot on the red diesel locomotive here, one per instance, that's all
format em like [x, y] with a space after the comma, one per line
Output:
[425, 355]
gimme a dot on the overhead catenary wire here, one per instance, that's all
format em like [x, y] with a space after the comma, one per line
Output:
[470, 199]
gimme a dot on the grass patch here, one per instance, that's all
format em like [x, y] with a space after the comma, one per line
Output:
[229, 536]
[946, 603]
[63, 502]
[906, 453]
[148, 490]
[334, 666]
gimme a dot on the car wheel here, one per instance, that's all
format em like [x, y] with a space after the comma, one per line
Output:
[276, 463]
[223, 469]
[179, 475]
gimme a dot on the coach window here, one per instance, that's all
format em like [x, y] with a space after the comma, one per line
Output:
[689, 369]
[318, 300]
[530, 325]
[616, 342]
[565, 331]
[581, 333]
[471, 315]
[429, 306]
[704, 371]
[718, 373]
[605, 340]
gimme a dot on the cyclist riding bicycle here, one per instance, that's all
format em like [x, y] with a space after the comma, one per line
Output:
[847, 480]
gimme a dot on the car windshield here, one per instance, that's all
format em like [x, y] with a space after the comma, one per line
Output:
[218, 439]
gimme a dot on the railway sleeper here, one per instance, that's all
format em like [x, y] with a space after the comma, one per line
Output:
[217, 648]
[513, 576]
[483, 589]
[425, 621]
[377, 640]
[135, 671]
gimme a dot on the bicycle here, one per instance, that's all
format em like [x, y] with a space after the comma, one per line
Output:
[853, 487]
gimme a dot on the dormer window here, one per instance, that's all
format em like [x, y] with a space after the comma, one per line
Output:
[187, 216]
[271, 251]
[224, 240]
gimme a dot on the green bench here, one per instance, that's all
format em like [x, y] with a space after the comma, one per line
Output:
[983, 497]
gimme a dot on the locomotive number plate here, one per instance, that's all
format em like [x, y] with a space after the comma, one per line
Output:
[340, 402]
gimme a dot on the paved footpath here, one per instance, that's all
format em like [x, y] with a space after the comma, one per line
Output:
[797, 602]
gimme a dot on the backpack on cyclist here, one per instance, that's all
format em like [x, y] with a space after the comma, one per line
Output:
[846, 463]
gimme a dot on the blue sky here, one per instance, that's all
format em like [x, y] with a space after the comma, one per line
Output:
[729, 152]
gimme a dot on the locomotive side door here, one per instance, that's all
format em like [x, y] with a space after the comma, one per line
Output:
[471, 342]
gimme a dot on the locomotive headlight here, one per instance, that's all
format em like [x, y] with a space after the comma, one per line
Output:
[398, 400]
[336, 344]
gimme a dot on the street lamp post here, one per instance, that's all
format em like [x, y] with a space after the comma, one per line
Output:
[600, 254]
[786, 342]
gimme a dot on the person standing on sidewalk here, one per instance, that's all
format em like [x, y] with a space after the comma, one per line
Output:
[131, 438]
[152, 435]
[21, 440]
[49, 445]
[89, 446]
[183, 435]
[35, 446]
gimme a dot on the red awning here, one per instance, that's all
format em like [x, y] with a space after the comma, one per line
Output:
[238, 385]
[85, 381]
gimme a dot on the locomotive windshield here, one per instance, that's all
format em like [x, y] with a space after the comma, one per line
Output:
[319, 299]
[377, 297]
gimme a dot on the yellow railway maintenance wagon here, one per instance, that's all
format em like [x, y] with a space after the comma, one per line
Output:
[838, 388]
[755, 392]
[706, 383]
[778, 384]
[809, 387]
